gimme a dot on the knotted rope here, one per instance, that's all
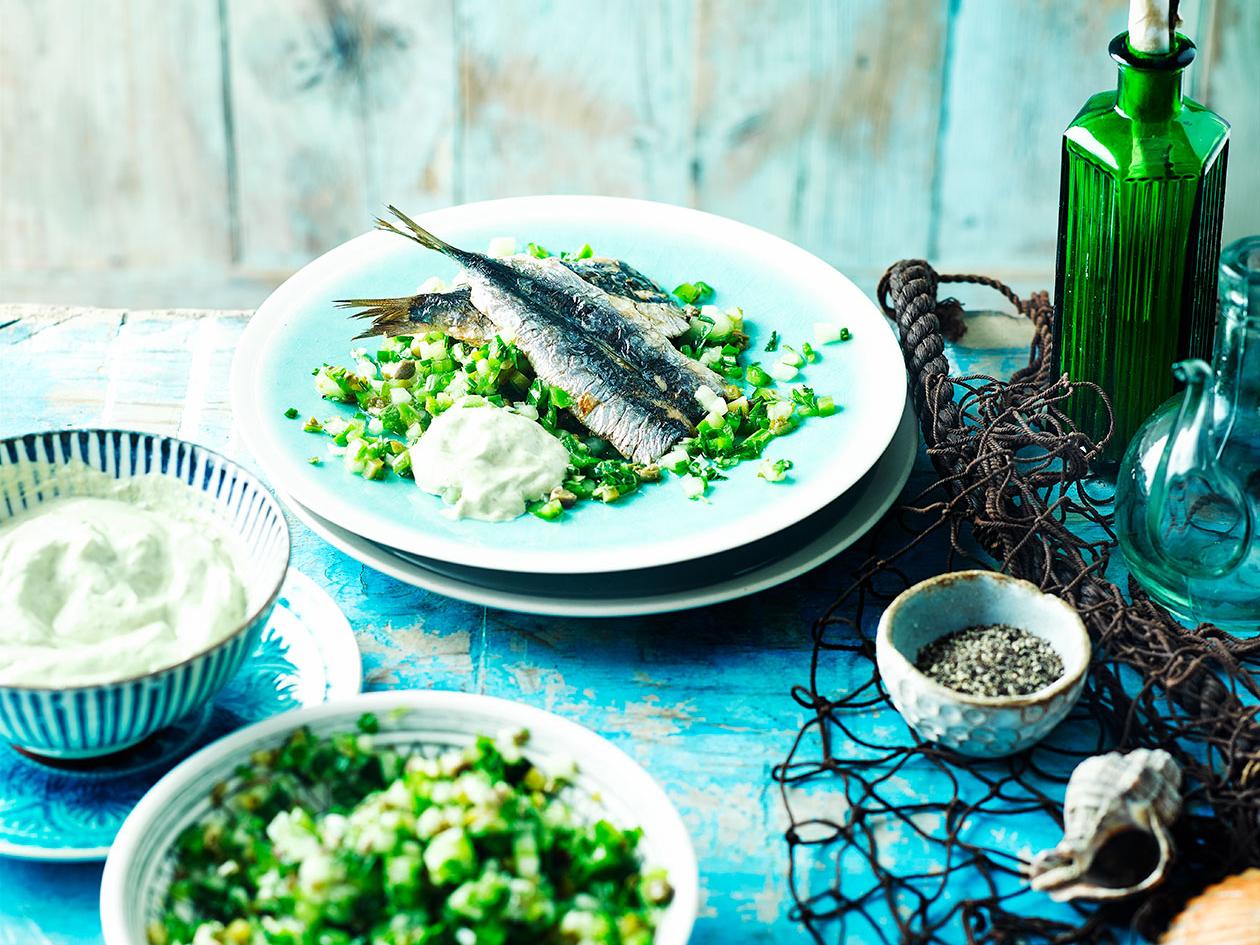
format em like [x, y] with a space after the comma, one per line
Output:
[1014, 480]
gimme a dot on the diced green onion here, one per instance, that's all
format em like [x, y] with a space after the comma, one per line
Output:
[292, 413]
[694, 292]
[401, 463]
[783, 372]
[756, 375]
[826, 333]
[582, 488]
[675, 460]
[722, 322]
[548, 511]
[805, 398]
[773, 343]
[774, 471]
[312, 425]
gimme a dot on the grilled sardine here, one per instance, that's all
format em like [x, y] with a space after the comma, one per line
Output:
[632, 293]
[628, 383]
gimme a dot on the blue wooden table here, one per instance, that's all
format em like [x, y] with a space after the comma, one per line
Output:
[701, 698]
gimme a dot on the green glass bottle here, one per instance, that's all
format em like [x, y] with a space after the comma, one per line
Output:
[1140, 205]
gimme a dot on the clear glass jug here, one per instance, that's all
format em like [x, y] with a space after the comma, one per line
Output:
[1188, 489]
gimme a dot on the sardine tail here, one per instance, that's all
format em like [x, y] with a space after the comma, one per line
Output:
[451, 311]
[416, 233]
[389, 316]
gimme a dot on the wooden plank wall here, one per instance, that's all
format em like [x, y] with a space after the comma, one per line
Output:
[193, 152]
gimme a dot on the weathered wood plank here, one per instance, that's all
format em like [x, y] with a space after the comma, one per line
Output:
[169, 287]
[816, 121]
[568, 96]
[265, 132]
[1018, 74]
[160, 370]
[338, 106]
[1233, 89]
[111, 134]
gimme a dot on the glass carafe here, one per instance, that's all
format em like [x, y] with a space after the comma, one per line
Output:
[1188, 490]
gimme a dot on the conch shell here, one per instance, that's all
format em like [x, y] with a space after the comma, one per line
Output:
[1225, 914]
[1116, 818]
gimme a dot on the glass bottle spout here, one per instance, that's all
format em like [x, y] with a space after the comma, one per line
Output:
[1198, 519]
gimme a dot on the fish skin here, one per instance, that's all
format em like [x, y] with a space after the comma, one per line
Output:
[629, 384]
[626, 289]
[632, 293]
[631, 336]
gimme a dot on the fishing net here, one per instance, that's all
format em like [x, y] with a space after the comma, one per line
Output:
[1013, 492]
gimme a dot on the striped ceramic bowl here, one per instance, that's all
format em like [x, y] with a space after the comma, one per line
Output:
[84, 721]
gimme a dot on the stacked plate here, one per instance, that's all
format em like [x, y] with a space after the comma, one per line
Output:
[653, 551]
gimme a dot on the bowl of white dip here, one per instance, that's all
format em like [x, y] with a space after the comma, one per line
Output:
[136, 574]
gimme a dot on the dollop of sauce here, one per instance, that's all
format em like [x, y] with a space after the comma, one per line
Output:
[486, 462]
[108, 586]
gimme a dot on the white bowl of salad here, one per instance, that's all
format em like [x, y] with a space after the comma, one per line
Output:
[402, 817]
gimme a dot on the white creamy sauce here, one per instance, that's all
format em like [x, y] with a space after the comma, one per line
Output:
[487, 462]
[122, 578]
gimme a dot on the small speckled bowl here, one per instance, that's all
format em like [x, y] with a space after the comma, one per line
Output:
[982, 726]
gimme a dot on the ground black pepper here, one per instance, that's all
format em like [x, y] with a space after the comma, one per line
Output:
[996, 660]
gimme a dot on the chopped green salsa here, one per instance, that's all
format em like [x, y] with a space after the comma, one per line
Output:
[338, 841]
[398, 389]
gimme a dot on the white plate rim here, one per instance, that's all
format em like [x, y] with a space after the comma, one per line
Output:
[343, 662]
[589, 747]
[902, 452]
[809, 496]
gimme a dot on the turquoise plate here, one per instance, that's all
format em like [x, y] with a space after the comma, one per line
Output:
[307, 656]
[779, 286]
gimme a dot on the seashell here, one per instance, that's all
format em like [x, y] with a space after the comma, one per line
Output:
[1225, 914]
[1116, 818]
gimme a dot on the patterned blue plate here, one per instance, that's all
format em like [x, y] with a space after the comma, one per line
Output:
[307, 655]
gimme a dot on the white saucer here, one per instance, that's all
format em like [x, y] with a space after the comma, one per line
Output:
[854, 515]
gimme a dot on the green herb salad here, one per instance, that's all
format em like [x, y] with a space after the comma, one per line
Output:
[336, 841]
[401, 384]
